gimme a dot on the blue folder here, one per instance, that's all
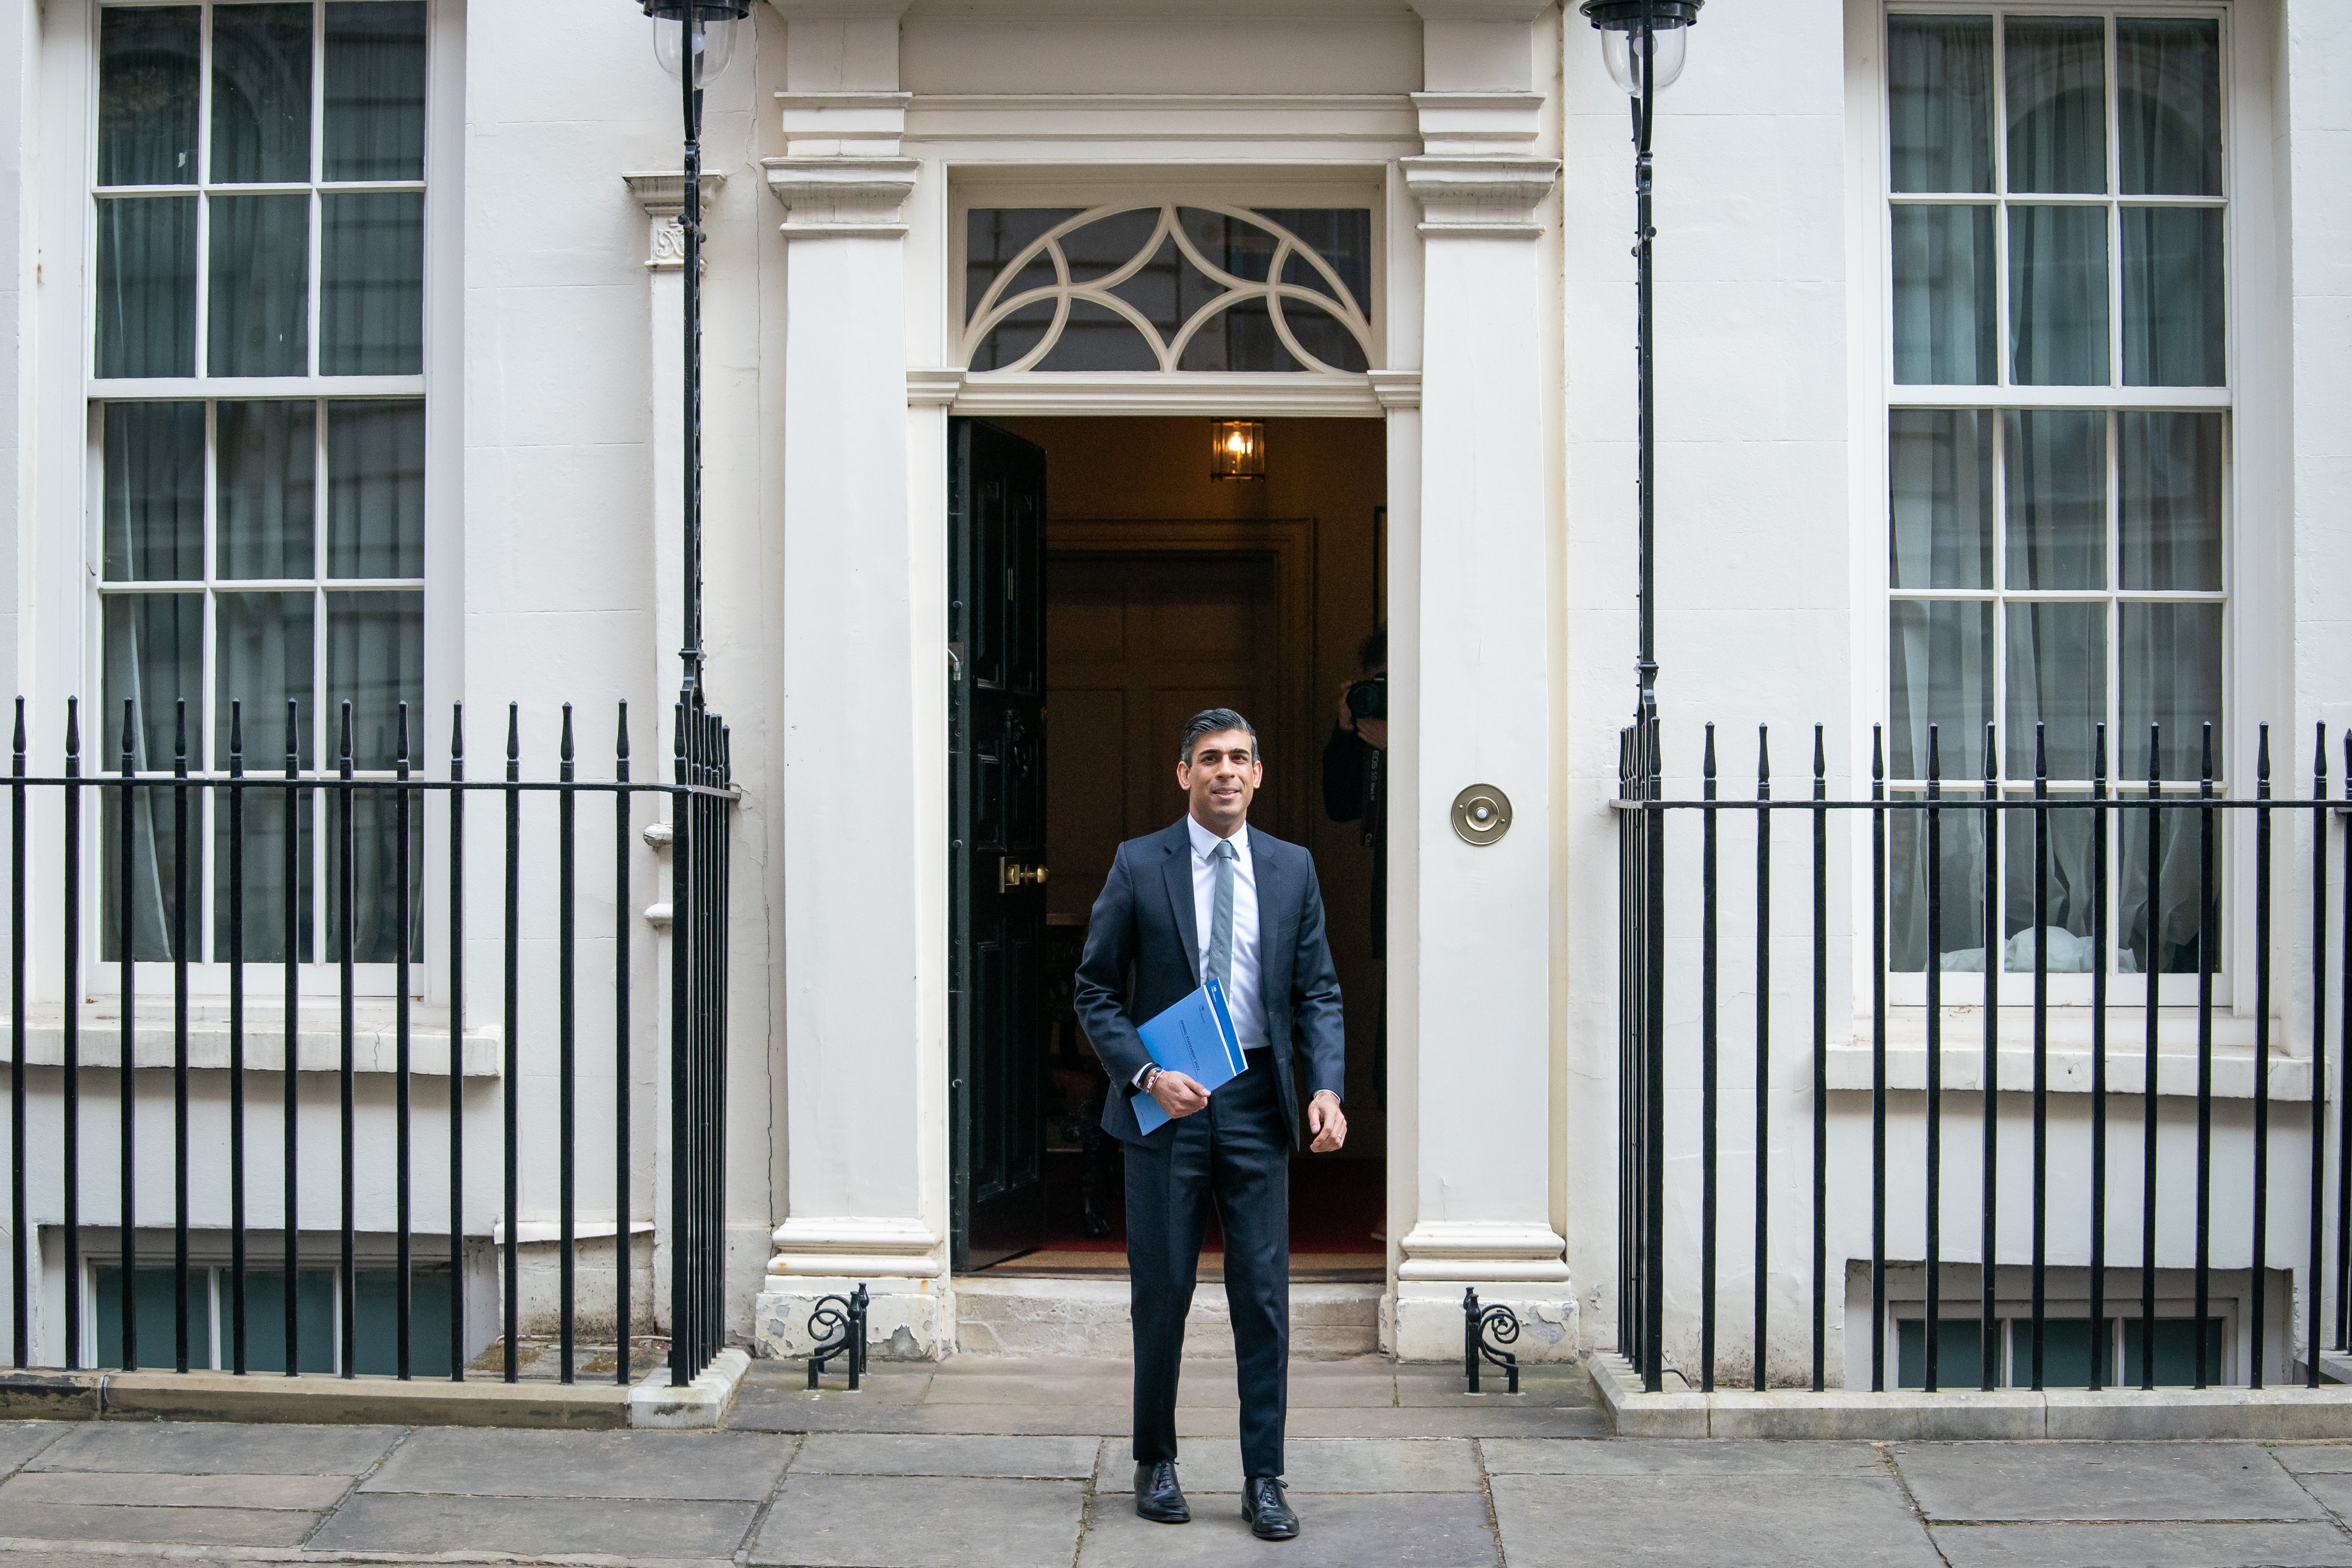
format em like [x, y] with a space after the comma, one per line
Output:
[1196, 1039]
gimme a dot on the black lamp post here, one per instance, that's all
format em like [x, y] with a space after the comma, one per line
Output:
[1644, 42]
[694, 39]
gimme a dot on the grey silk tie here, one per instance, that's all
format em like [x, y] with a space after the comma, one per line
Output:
[1220, 916]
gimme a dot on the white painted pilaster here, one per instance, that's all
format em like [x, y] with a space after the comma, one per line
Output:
[1480, 693]
[866, 1193]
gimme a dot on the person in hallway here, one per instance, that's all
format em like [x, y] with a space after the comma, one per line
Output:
[1211, 895]
[1355, 789]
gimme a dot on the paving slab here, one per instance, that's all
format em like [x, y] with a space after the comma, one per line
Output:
[1023, 1388]
[538, 1527]
[192, 1526]
[1316, 1465]
[118, 1488]
[1538, 1385]
[1036, 1420]
[878, 1453]
[707, 1467]
[2118, 1482]
[772, 1380]
[212, 1448]
[1709, 1521]
[21, 1440]
[1496, 1420]
[880, 1522]
[2315, 1458]
[1676, 1457]
[1342, 1531]
[2143, 1545]
[1345, 1391]
[2333, 1490]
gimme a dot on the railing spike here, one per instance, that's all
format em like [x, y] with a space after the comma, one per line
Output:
[1820, 764]
[235, 731]
[180, 736]
[344, 755]
[2041, 761]
[1877, 755]
[2206, 761]
[401, 756]
[1763, 755]
[564, 751]
[130, 735]
[2099, 754]
[73, 726]
[621, 748]
[20, 726]
[457, 731]
[1935, 755]
[2263, 760]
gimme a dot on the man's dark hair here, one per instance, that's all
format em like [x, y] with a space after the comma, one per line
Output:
[1374, 649]
[1211, 721]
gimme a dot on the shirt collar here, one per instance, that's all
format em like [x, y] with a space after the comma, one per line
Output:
[1204, 843]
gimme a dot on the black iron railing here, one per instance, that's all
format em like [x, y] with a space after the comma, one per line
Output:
[147, 838]
[2175, 834]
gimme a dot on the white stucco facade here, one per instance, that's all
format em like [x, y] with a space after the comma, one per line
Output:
[843, 144]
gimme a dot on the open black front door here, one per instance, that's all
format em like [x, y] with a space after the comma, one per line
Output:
[996, 728]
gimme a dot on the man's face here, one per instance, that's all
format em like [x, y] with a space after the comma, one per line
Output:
[1221, 777]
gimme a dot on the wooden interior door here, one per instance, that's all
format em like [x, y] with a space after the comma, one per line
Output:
[998, 768]
[1137, 641]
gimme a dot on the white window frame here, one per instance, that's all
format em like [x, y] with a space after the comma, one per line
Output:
[319, 973]
[1963, 762]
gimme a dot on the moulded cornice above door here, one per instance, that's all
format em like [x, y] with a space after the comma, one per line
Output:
[1190, 10]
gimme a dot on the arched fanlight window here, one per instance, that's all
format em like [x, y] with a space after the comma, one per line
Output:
[1169, 288]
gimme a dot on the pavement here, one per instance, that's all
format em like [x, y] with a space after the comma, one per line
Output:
[1001, 1464]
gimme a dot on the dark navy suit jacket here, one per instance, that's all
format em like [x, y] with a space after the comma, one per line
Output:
[1145, 920]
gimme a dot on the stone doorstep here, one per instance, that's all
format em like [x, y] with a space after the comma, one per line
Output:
[1963, 1415]
[1026, 1317]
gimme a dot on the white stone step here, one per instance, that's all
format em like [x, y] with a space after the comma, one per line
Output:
[1089, 1317]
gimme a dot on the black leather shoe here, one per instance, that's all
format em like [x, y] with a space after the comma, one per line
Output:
[1270, 1517]
[1158, 1497]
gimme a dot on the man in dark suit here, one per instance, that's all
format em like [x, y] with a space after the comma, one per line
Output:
[1211, 895]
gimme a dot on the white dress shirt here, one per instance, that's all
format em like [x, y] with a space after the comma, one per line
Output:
[1243, 1002]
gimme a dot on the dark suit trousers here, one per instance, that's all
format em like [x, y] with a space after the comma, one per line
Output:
[1236, 1155]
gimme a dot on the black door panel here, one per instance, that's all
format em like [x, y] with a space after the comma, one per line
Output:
[997, 720]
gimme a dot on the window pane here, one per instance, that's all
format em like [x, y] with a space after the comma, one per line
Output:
[1959, 888]
[261, 657]
[1940, 668]
[2179, 853]
[2056, 469]
[258, 309]
[2057, 103]
[2071, 891]
[2172, 676]
[1944, 296]
[1940, 466]
[1097, 337]
[375, 661]
[147, 286]
[265, 854]
[148, 65]
[375, 90]
[154, 505]
[1240, 337]
[154, 1296]
[993, 237]
[2057, 678]
[2171, 512]
[265, 1318]
[1939, 102]
[2168, 106]
[261, 94]
[375, 490]
[1342, 237]
[372, 285]
[2058, 296]
[154, 658]
[2173, 314]
[1323, 335]
[266, 488]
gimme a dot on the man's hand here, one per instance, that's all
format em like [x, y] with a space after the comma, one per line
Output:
[1327, 1122]
[1373, 733]
[1179, 1095]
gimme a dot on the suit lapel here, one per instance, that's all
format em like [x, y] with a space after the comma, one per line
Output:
[1276, 915]
[1179, 844]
